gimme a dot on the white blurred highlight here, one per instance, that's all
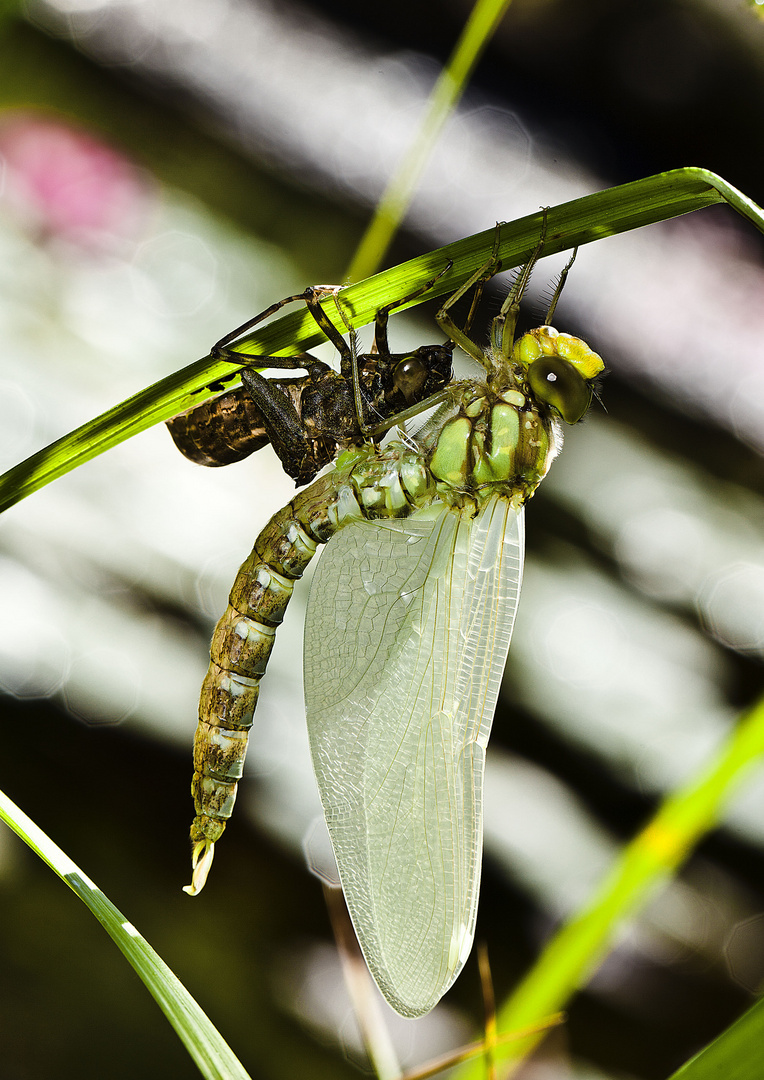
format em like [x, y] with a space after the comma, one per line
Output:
[296, 90]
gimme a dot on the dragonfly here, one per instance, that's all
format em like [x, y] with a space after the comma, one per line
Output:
[407, 633]
[309, 419]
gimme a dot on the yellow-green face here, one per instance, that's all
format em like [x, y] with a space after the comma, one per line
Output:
[559, 369]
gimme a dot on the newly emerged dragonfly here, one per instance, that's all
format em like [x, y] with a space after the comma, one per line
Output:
[406, 637]
[309, 419]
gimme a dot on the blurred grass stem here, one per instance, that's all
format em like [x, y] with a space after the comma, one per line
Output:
[395, 200]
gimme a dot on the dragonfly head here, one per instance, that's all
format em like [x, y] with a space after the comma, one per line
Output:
[424, 372]
[559, 370]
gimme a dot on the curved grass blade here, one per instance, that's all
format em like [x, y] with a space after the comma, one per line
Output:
[212, 1055]
[581, 221]
[735, 1054]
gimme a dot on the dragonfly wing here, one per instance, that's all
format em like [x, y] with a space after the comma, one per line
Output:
[407, 633]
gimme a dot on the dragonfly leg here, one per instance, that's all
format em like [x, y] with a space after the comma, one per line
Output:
[381, 318]
[221, 351]
[283, 426]
[560, 287]
[504, 325]
[460, 335]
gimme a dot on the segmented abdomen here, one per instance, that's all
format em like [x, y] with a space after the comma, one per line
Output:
[373, 485]
[230, 427]
[219, 432]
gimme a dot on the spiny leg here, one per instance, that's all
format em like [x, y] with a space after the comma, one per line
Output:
[349, 352]
[560, 286]
[410, 384]
[477, 281]
[381, 348]
[311, 296]
[408, 414]
[381, 318]
[220, 350]
[504, 325]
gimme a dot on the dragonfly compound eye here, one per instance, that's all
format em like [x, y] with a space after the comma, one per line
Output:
[557, 383]
[410, 377]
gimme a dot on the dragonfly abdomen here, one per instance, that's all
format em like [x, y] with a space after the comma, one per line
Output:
[241, 646]
[239, 653]
[220, 431]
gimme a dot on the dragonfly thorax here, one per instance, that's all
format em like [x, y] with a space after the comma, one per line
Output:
[497, 443]
[499, 437]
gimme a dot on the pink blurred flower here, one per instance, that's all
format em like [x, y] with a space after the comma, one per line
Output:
[70, 185]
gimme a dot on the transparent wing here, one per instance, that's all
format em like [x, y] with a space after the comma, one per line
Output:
[406, 637]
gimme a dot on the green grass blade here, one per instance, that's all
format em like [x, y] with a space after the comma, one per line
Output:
[682, 820]
[392, 207]
[735, 1055]
[211, 1053]
[581, 221]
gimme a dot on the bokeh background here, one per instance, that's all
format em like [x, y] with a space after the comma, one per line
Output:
[169, 167]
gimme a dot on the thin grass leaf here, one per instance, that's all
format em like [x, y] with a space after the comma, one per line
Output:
[212, 1055]
[570, 224]
[735, 1055]
[682, 821]
[391, 208]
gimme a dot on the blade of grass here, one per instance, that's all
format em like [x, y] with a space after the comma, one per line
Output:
[212, 1055]
[571, 224]
[391, 208]
[478, 1049]
[734, 1055]
[683, 819]
[364, 997]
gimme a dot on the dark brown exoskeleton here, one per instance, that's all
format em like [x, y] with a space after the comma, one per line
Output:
[310, 418]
